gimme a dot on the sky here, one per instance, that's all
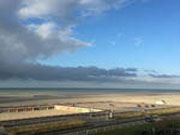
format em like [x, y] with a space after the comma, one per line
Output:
[87, 43]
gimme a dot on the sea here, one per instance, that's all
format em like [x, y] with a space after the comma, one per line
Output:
[89, 90]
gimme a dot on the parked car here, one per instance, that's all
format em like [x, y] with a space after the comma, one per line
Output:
[149, 119]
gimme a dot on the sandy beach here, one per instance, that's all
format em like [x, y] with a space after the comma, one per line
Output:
[54, 97]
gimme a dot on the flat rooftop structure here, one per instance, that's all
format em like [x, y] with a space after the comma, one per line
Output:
[25, 113]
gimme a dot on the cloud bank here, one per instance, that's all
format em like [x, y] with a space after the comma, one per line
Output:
[49, 73]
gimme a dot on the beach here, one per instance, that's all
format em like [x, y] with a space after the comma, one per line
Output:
[20, 98]
[115, 101]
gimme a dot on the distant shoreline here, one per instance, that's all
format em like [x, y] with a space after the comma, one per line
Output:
[91, 90]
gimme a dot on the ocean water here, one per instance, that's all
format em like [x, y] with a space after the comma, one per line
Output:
[87, 90]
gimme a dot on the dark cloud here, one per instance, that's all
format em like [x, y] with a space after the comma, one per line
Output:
[49, 73]
[164, 76]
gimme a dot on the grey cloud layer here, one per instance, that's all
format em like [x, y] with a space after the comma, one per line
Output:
[49, 73]
[164, 76]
